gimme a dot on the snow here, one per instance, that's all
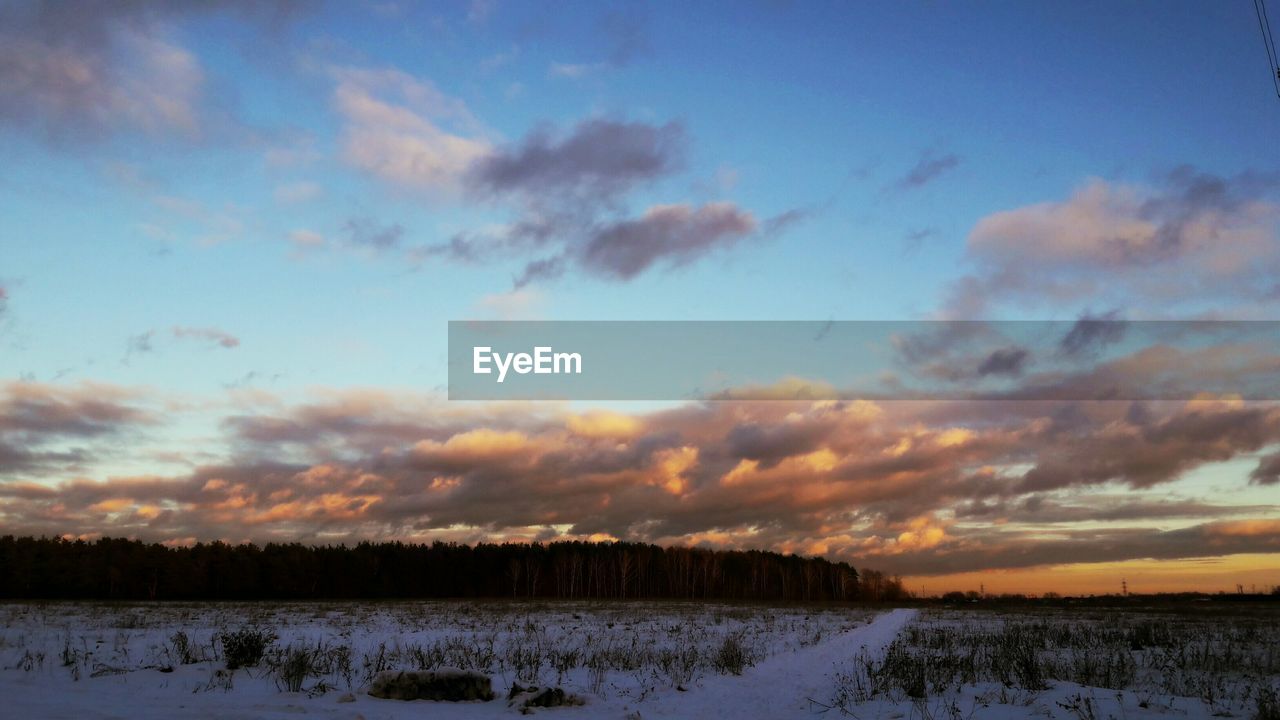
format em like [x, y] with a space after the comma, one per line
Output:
[794, 646]
[116, 661]
[784, 686]
[1153, 662]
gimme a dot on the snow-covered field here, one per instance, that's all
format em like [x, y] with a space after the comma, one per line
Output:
[636, 660]
[78, 660]
[1141, 662]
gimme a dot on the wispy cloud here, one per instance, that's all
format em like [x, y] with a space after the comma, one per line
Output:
[149, 342]
[211, 335]
[928, 169]
[574, 70]
[306, 240]
[675, 234]
[519, 304]
[364, 232]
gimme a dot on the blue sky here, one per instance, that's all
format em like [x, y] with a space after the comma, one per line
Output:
[817, 107]
[235, 210]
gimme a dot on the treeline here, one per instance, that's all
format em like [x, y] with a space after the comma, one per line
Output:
[120, 569]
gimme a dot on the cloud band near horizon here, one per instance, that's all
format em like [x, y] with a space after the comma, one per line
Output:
[910, 488]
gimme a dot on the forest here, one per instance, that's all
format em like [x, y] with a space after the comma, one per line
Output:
[123, 569]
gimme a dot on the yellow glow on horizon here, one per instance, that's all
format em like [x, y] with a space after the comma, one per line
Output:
[1216, 574]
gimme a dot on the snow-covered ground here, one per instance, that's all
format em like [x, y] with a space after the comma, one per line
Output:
[1140, 662]
[65, 660]
[638, 660]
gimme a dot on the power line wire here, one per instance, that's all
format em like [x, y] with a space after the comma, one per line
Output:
[1268, 38]
[1264, 25]
[1268, 41]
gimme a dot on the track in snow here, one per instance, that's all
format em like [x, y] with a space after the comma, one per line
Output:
[781, 686]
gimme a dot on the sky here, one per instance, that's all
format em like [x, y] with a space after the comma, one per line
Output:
[232, 236]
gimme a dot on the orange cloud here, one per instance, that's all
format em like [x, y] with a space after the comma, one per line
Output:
[605, 425]
[925, 489]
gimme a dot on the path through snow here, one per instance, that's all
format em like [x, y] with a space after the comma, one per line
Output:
[781, 686]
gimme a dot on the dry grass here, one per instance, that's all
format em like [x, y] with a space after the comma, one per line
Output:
[1231, 663]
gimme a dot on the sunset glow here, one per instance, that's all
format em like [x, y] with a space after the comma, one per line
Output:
[232, 237]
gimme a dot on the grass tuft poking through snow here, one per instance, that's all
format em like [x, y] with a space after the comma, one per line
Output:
[1072, 664]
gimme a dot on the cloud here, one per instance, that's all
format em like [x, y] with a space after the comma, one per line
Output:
[600, 158]
[87, 72]
[72, 72]
[304, 240]
[211, 335]
[597, 424]
[1268, 470]
[1092, 332]
[626, 34]
[672, 234]
[209, 225]
[622, 37]
[960, 352]
[1004, 550]
[574, 70]
[521, 304]
[145, 343]
[139, 344]
[251, 378]
[676, 233]
[768, 444]
[569, 194]
[566, 192]
[926, 170]
[911, 487]
[1098, 357]
[368, 233]
[914, 239]
[1112, 507]
[358, 423]
[1190, 239]
[46, 429]
[1145, 452]
[787, 388]
[1005, 361]
[406, 132]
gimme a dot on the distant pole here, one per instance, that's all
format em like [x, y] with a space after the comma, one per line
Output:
[1124, 587]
